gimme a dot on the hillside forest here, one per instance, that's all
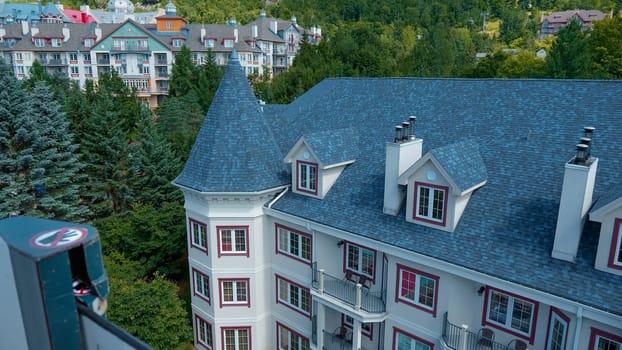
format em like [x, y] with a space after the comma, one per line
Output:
[96, 155]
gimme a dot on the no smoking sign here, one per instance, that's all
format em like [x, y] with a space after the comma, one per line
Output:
[58, 238]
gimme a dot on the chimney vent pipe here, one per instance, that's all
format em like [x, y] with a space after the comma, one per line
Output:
[582, 153]
[398, 134]
[412, 119]
[405, 130]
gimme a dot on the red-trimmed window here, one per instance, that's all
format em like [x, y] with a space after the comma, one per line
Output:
[290, 340]
[416, 288]
[234, 292]
[293, 295]
[307, 177]
[293, 243]
[236, 338]
[511, 313]
[198, 234]
[430, 203]
[615, 254]
[201, 285]
[367, 329]
[403, 340]
[360, 260]
[232, 240]
[204, 333]
[601, 340]
[557, 333]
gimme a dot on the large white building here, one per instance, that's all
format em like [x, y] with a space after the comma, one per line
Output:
[143, 54]
[323, 225]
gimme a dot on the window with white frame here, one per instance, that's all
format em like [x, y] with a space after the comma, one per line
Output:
[431, 202]
[89, 42]
[293, 243]
[178, 42]
[236, 338]
[307, 177]
[602, 340]
[204, 333]
[88, 71]
[228, 43]
[74, 71]
[360, 259]
[615, 255]
[201, 285]
[18, 56]
[294, 296]
[198, 234]
[366, 328]
[86, 57]
[416, 288]
[290, 340]
[56, 42]
[510, 312]
[233, 240]
[39, 42]
[20, 70]
[209, 43]
[558, 330]
[405, 341]
[73, 57]
[144, 69]
[234, 292]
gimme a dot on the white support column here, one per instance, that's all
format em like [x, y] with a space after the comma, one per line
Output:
[356, 334]
[321, 286]
[321, 324]
[463, 338]
[357, 304]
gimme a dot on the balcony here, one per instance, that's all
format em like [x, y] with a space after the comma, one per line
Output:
[160, 74]
[456, 337]
[103, 61]
[353, 294]
[335, 342]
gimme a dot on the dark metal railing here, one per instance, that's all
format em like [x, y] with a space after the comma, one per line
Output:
[454, 335]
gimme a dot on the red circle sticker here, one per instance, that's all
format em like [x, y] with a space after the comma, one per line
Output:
[58, 238]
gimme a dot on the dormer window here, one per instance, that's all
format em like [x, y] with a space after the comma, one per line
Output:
[209, 43]
[431, 203]
[39, 42]
[178, 42]
[228, 43]
[307, 177]
[615, 255]
[89, 42]
[56, 42]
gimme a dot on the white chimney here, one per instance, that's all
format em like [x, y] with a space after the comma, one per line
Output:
[235, 34]
[66, 33]
[273, 26]
[401, 154]
[98, 33]
[575, 201]
[254, 30]
[24, 27]
[34, 30]
[203, 33]
[2, 31]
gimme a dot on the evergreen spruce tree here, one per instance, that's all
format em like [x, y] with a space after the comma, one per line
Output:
[39, 169]
[104, 147]
[154, 165]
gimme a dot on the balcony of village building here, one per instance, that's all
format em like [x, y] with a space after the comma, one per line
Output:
[461, 337]
[351, 289]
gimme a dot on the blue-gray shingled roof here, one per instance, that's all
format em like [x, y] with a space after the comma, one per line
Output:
[609, 196]
[334, 146]
[235, 150]
[525, 132]
[462, 162]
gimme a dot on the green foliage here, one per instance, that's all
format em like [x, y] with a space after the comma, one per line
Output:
[605, 45]
[154, 236]
[569, 56]
[154, 165]
[149, 309]
[39, 168]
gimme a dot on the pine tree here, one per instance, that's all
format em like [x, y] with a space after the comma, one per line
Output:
[104, 146]
[154, 165]
[39, 169]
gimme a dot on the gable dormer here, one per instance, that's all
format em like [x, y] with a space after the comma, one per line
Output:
[440, 184]
[608, 211]
[318, 159]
